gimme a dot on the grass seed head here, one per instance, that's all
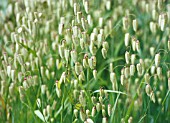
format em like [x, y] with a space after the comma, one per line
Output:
[135, 25]
[93, 111]
[132, 70]
[127, 39]
[104, 120]
[98, 107]
[82, 115]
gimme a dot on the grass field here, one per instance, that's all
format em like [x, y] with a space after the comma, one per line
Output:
[84, 61]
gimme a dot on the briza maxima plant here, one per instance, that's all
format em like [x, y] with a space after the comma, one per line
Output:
[84, 61]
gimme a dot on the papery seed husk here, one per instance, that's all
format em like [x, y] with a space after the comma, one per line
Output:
[147, 78]
[82, 115]
[139, 68]
[89, 120]
[93, 111]
[133, 58]
[127, 39]
[130, 120]
[125, 23]
[101, 99]
[78, 68]
[98, 107]
[159, 72]
[74, 56]
[127, 57]
[101, 22]
[58, 91]
[49, 110]
[95, 74]
[89, 20]
[148, 89]
[109, 109]
[122, 79]
[88, 113]
[133, 45]
[104, 120]
[105, 45]
[75, 113]
[152, 96]
[132, 70]
[135, 25]
[86, 7]
[113, 77]
[108, 4]
[138, 45]
[104, 53]
[43, 89]
[103, 112]
[157, 59]
[127, 72]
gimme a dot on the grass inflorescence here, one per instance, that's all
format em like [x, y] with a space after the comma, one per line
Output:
[91, 61]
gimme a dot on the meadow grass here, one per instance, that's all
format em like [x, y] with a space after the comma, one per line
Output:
[91, 61]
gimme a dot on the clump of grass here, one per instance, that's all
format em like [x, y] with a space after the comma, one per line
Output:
[85, 61]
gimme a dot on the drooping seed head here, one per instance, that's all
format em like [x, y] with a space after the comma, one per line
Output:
[112, 77]
[127, 57]
[127, 39]
[98, 107]
[122, 79]
[135, 25]
[109, 109]
[148, 89]
[127, 72]
[95, 74]
[159, 72]
[132, 70]
[104, 53]
[86, 6]
[93, 111]
[125, 23]
[82, 115]
[75, 113]
[169, 44]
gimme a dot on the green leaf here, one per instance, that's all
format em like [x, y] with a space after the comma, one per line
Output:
[114, 108]
[58, 84]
